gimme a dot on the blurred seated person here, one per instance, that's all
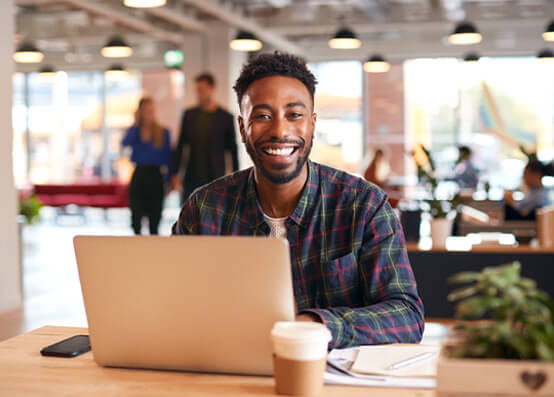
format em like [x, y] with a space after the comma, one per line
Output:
[378, 170]
[537, 196]
[465, 173]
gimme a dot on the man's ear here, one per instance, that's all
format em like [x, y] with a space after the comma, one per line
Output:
[314, 118]
[241, 129]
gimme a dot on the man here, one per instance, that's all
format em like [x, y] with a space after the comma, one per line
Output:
[208, 135]
[349, 263]
[466, 175]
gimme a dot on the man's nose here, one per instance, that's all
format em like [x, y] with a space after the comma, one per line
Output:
[279, 128]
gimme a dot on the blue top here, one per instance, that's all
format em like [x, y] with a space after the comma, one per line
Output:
[147, 153]
[536, 197]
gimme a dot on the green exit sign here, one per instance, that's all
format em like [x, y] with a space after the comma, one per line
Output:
[174, 58]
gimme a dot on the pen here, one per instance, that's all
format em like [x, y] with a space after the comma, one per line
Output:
[410, 361]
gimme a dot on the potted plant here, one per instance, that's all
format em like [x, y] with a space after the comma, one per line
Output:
[440, 206]
[509, 350]
[29, 208]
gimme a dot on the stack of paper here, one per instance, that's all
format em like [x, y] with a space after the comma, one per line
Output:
[370, 366]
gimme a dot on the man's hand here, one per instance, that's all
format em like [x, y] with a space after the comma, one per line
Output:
[308, 317]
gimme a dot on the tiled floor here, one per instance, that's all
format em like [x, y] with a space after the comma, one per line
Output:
[52, 294]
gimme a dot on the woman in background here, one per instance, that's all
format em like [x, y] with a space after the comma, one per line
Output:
[536, 196]
[151, 153]
[378, 170]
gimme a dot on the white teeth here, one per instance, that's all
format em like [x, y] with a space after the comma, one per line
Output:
[279, 152]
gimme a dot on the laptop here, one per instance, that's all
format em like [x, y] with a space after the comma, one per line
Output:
[192, 303]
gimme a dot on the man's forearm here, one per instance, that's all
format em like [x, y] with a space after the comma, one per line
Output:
[393, 321]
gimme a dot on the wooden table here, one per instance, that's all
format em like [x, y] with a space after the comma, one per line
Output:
[24, 372]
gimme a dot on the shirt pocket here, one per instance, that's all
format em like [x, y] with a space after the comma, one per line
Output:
[338, 282]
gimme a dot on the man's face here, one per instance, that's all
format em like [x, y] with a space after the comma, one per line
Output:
[277, 125]
[204, 92]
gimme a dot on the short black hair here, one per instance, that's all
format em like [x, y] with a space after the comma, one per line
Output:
[537, 166]
[465, 150]
[206, 77]
[276, 64]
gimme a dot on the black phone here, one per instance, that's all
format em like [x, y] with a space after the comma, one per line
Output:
[70, 347]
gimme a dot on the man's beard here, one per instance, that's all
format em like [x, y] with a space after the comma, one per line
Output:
[280, 178]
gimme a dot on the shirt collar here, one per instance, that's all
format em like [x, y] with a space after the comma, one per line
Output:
[303, 210]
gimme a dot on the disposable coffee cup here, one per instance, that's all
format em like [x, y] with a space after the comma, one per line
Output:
[299, 357]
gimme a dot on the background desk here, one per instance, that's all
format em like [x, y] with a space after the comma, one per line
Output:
[432, 268]
[24, 372]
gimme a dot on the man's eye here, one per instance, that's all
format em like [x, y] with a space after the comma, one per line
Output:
[262, 117]
[295, 115]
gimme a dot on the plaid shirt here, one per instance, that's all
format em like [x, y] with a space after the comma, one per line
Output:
[349, 261]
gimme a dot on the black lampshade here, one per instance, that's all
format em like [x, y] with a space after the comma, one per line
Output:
[465, 33]
[471, 57]
[545, 54]
[245, 41]
[548, 34]
[27, 52]
[344, 39]
[116, 47]
[47, 70]
[376, 64]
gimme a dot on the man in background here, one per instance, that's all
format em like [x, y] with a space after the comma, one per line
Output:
[466, 175]
[207, 145]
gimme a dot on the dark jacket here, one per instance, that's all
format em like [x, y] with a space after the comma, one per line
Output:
[206, 160]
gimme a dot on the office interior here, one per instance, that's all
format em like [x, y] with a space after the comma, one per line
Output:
[399, 81]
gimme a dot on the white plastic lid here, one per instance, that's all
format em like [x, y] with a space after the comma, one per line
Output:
[300, 340]
[300, 332]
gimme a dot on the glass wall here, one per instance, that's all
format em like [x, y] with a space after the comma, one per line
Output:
[494, 106]
[62, 133]
[338, 139]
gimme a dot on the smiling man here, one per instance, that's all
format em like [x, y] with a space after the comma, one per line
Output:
[349, 263]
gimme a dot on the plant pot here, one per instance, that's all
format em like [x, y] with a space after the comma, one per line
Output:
[464, 377]
[441, 229]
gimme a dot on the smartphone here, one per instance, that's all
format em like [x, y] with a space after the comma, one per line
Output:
[70, 347]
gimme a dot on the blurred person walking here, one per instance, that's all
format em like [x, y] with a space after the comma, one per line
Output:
[151, 153]
[207, 143]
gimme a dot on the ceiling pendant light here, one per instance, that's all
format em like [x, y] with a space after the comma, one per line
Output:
[143, 3]
[116, 72]
[117, 48]
[548, 34]
[464, 34]
[47, 73]
[376, 64]
[245, 41]
[27, 52]
[546, 55]
[345, 39]
[471, 58]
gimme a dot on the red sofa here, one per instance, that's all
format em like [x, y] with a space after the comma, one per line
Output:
[84, 194]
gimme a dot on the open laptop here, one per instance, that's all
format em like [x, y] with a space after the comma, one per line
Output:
[193, 303]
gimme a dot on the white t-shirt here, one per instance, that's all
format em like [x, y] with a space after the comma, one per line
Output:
[277, 226]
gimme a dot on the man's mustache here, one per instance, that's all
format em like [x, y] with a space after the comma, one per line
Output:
[284, 141]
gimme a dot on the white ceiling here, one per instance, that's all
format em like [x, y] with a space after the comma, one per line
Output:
[71, 32]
